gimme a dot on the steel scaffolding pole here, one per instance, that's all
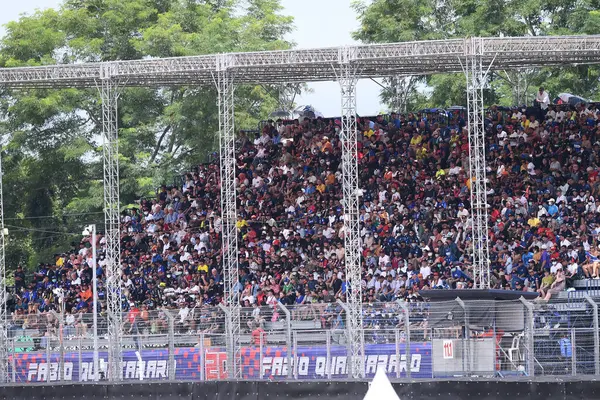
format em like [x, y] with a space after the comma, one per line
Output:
[351, 193]
[225, 90]
[110, 152]
[4, 375]
[476, 77]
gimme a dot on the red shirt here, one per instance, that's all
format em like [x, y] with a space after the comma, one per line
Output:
[256, 337]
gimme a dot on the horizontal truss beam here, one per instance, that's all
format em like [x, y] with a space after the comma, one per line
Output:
[306, 65]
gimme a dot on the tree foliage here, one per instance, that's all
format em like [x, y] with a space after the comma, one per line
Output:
[384, 21]
[51, 138]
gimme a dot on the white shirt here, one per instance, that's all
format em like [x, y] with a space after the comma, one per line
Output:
[543, 98]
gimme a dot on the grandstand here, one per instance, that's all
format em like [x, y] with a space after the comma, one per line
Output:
[543, 181]
[291, 237]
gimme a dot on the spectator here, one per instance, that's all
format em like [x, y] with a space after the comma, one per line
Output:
[415, 218]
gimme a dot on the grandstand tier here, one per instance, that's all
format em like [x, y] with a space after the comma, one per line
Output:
[415, 220]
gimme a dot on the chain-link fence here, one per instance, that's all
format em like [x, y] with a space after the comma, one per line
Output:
[310, 342]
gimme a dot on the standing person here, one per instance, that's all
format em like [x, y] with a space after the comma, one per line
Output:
[134, 329]
[542, 100]
[259, 336]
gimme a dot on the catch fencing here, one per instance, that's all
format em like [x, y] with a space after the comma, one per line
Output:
[490, 339]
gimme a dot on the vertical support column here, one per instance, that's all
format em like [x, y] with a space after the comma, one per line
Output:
[225, 90]
[529, 335]
[110, 151]
[171, 344]
[4, 375]
[466, 353]
[594, 306]
[406, 315]
[348, 136]
[288, 337]
[476, 78]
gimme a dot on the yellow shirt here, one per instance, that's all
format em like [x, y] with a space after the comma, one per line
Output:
[534, 222]
[240, 224]
[202, 267]
[416, 140]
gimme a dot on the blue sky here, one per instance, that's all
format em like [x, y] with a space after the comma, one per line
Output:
[319, 23]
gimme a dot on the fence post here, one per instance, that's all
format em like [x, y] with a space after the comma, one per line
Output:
[260, 355]
[288, 338]
[295, 366]
[13, 362]
[573, 352]
[407, 339]
[348, 341]
[397, 340]
[61, 359]
[172, 366]
[328, 361]
[530, 337]
[202, 358]
[229, 362]
[466, 341]
[596, 334]
[48, 355]
[79, 341]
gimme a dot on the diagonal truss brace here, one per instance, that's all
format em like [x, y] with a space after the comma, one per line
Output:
[476, 77]
[347, 78]
[108, 88]
[225, 90]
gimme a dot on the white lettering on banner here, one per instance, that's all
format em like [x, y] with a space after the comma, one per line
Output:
[148, 369]
[152, 369]
[389, 364]
[321, 366]
[38, 372]
[338, 365]
[87, 372]
[303, 364]
[278, 366]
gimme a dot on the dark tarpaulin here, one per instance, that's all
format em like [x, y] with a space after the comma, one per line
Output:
[507, 316]
[566, 388]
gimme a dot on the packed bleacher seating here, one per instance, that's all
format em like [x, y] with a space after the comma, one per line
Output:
[415, 216]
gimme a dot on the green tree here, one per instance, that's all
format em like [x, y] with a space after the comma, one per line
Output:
[51, 137]
[403, 20]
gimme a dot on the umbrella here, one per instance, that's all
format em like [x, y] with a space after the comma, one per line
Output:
[568, 98]
[280, 114]
[308, 112]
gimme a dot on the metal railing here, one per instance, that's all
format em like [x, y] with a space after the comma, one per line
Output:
[309, 342]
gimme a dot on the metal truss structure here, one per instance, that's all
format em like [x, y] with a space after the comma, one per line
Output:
[347, 73]
[225, 88]
[346, 64]
[109, 95]
[4, 373]
[311, 65]
[476, 77]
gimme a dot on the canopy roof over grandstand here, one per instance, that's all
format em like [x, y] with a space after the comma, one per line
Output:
[309, 65]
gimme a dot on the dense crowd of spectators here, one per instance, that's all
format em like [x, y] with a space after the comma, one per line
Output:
[542, 180]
